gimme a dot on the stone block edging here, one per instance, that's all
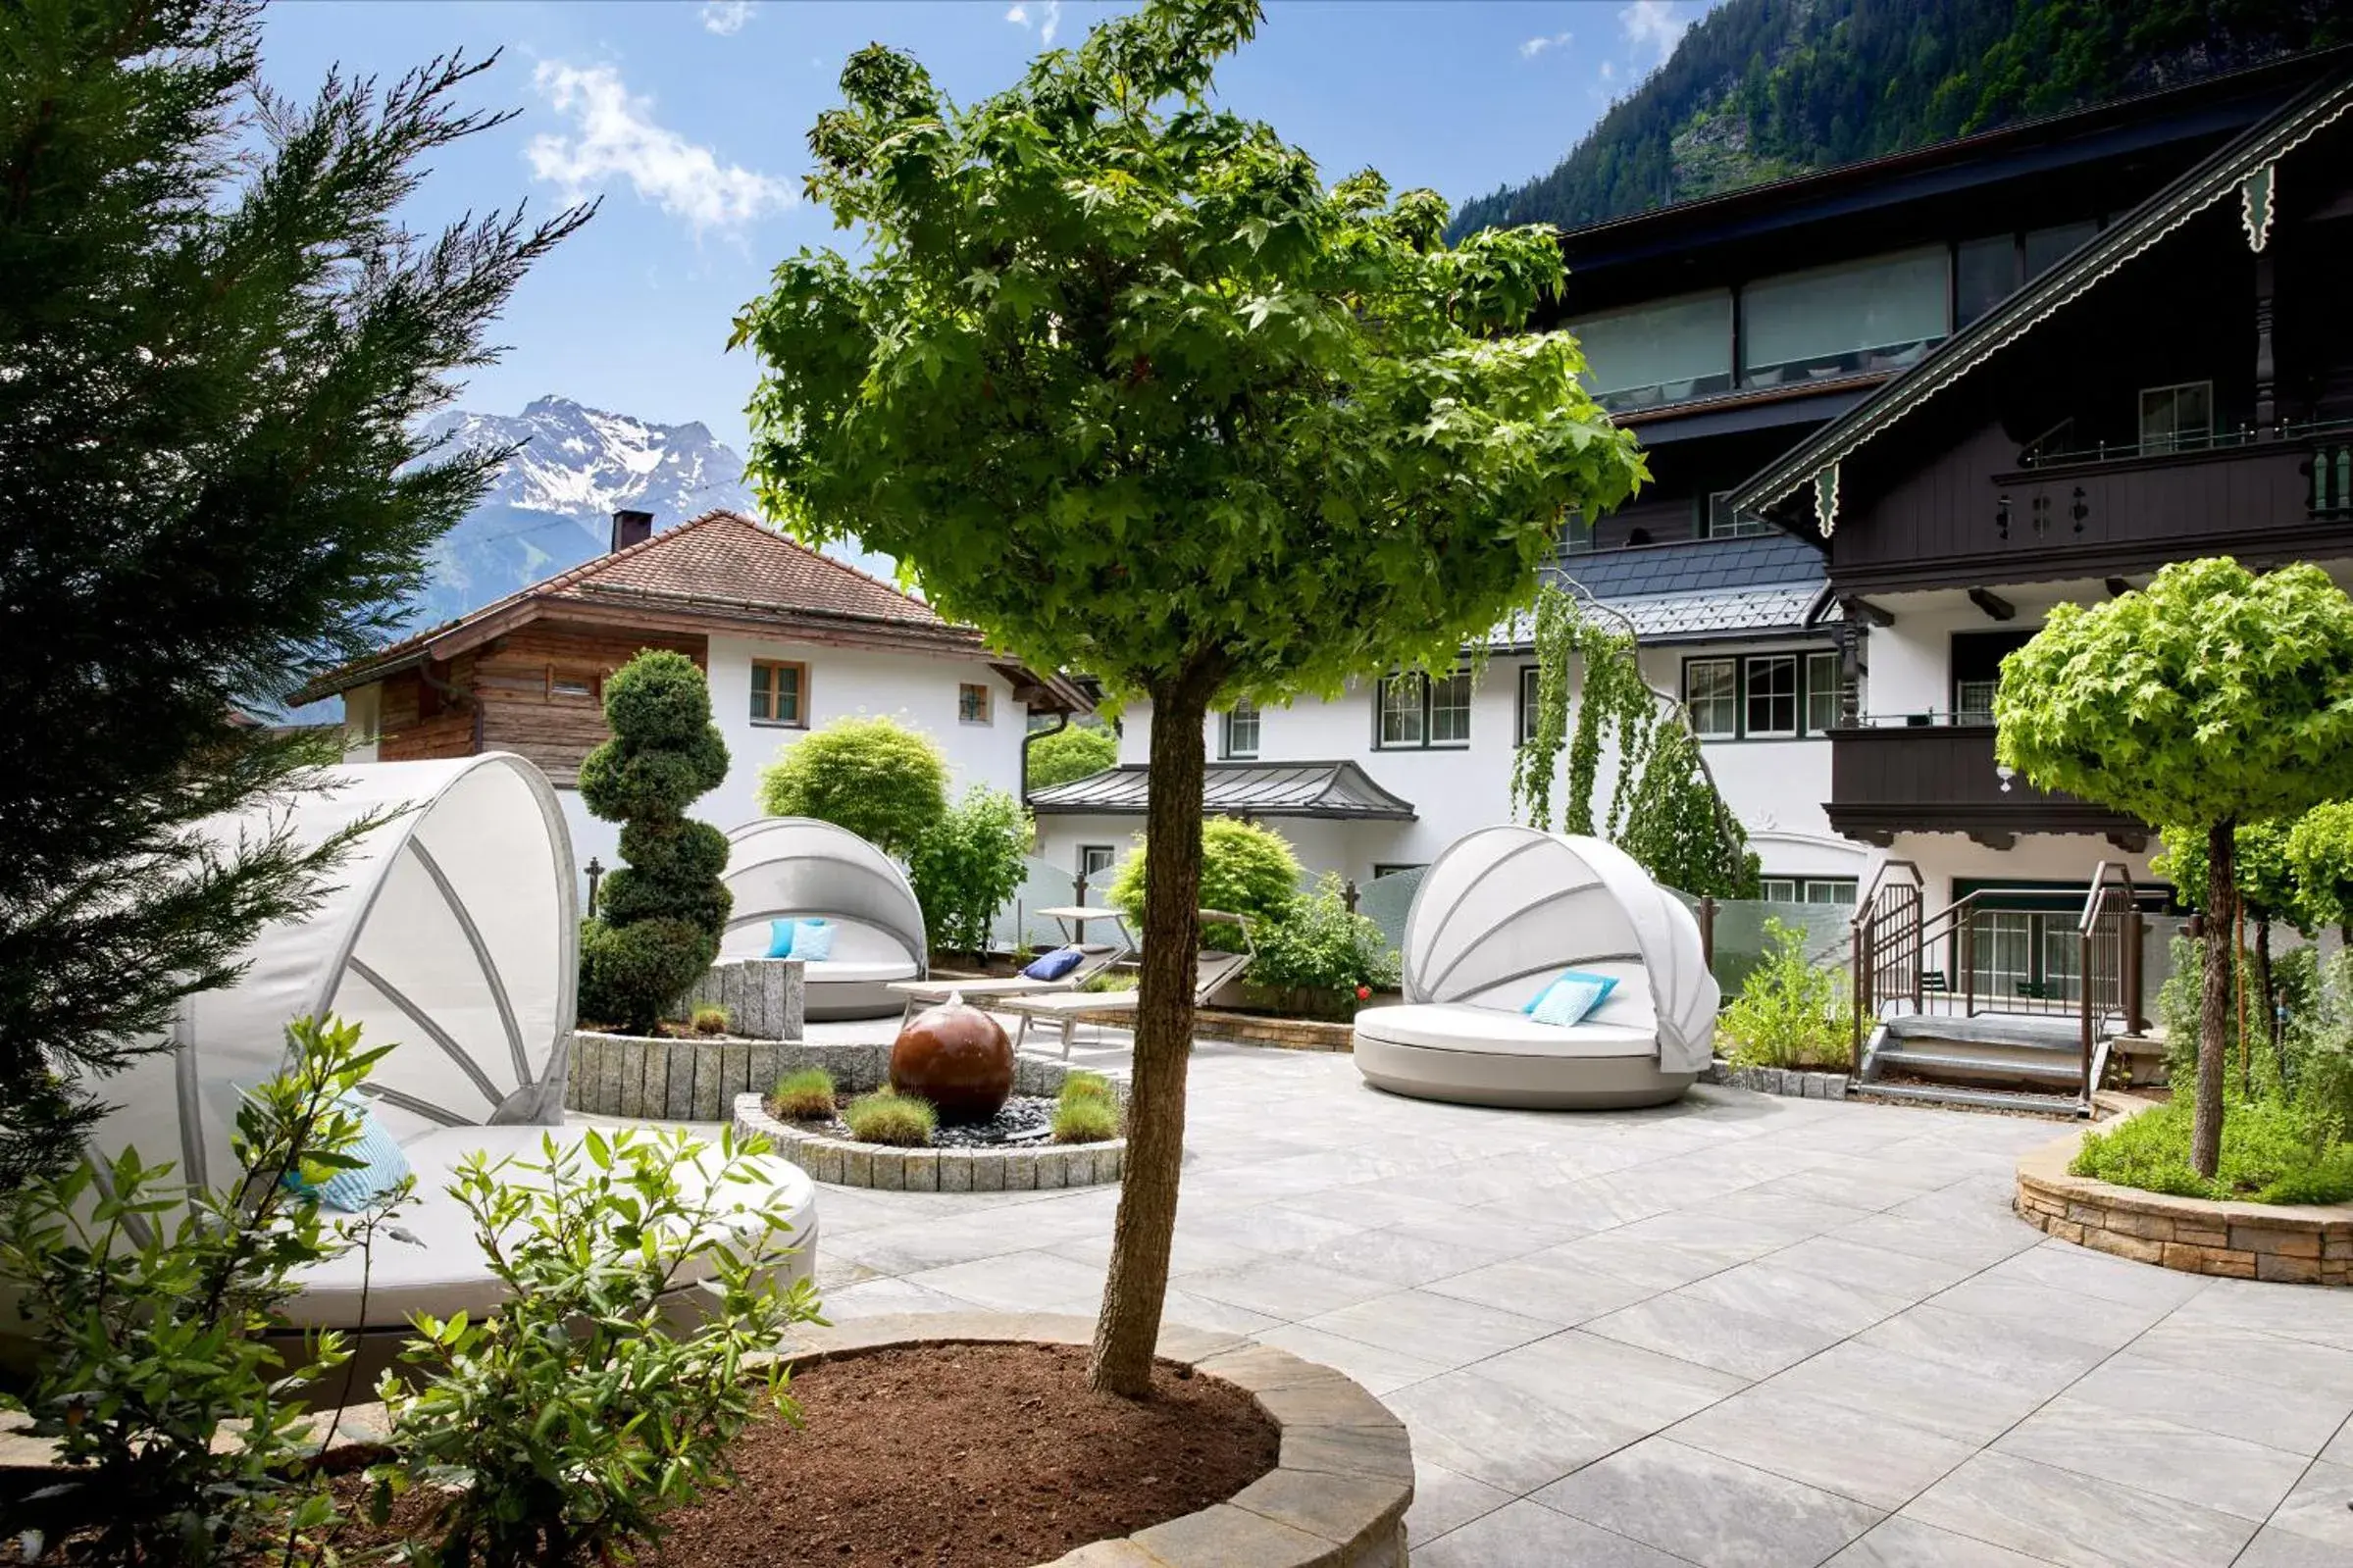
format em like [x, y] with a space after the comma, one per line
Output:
[1336, 1498]
[2303, 1243]
[1793, 1082]
[659, 1079]
[1285, 1033]
[766, 998]
[857, 1069]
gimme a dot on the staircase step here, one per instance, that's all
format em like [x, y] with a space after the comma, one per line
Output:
[1984, 1099]
[2046, 1067]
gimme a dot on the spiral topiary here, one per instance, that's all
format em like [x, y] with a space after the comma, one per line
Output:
[660, 916]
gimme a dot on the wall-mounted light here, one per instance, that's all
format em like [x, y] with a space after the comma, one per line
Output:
[2004, 772]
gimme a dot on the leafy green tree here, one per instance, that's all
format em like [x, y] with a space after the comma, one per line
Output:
[217, 345]
[1245, 869]
[2265, 891]
[659, 917]
[2319, 855]
[2211, 697]
[884, 782]
[1127, 386]
[968, 865]
[1073, 753]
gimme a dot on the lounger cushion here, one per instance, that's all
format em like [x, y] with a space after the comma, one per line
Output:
[444, 1271]
[843, 972]
[1458, 1027]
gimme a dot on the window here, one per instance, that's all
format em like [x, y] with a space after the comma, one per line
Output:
[571, 683]
[1976, 664]
[1096, 859]
[1396, 868]
[1712, 692]
[1772, 696]
[1777, 889]
[1807, 891]
[1530, 678]
[1240, 732]
[1722, 523]
[1663, 352]
[1840, 320]
[1825, 692]
[1576, 535]
[2177, 419]
[1984, 274]
[1419, 710]
[780, 693]
[972, 702]
[2045, 248]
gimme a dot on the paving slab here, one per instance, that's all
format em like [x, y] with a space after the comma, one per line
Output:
[1708, 1509]
[1528, 1535]
[2047, 1512]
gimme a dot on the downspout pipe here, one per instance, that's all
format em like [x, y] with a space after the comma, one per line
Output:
[1060, 724]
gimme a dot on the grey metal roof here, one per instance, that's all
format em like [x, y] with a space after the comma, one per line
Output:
[1337, 789]
[1783, 609]
[1695, 566]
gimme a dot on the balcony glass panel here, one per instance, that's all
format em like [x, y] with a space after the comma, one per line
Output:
[1862, 315]
[1985, 273]
[2047, 247]
[1664, 352]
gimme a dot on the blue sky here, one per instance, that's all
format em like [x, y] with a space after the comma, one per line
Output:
[688, 118]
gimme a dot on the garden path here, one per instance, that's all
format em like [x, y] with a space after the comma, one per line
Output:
[1738, 1331]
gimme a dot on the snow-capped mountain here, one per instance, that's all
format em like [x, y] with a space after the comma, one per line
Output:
[553, 504]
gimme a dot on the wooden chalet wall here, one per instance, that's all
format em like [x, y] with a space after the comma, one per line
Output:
[415, 722]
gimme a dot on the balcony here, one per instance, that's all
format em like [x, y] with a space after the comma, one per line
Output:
[1934, 772]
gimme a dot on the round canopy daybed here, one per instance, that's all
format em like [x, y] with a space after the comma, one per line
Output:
[1499, 915]
[451, 928]
[797, 868]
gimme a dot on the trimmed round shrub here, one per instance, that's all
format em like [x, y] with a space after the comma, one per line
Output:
[889, 1117]
[1247, 868]
[659, 917]
[804, 1097]
[882, 781]
[1077, 751]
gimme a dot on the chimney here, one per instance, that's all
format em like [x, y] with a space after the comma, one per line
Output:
[632, 528]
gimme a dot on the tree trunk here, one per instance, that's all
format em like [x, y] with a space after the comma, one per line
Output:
[2214, 1014]
[2271, 1004]
[2239, 991]
[1128, 1326]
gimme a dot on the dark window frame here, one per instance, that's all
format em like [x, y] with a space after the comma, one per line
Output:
[1805, 657]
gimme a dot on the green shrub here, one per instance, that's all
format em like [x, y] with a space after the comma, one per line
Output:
[968, 865]
[1315, 942]
[556, 1431]
[804, 1097]
[711, 1019]
[2273, 1152]
[180, 1442]
[1085, 1121]
[1082, 1086]
[1789, 1012]
[1074, 752]
[887, 1117]
[882, 781]
[659, 916]
[1245, 869]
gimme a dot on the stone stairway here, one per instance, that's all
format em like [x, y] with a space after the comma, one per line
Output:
[1991, 1061]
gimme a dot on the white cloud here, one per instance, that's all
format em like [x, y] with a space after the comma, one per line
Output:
[1049, 19]
[725, 16]
[1608, 70]
[1653, 24]
[1536, 46]
[615, 136]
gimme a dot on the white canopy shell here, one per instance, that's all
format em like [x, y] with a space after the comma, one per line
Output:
[1503, 910]
[451, 929]
[797, 868]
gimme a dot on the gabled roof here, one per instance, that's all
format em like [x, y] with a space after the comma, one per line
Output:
[1330, 789]
[720, 569]
[2243, 168]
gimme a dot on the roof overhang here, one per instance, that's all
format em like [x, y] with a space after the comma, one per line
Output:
[1801, 488]
[1330, 790]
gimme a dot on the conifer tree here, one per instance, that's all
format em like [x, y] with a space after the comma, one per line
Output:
[216, 341]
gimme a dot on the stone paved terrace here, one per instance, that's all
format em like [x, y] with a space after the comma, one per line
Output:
[1739, 1331]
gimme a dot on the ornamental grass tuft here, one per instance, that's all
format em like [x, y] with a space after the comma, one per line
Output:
[804, 1097]
[1087, 1111]
[903, 1121]
[711, 1019]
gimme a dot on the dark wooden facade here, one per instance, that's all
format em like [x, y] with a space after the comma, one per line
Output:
[1942, 779]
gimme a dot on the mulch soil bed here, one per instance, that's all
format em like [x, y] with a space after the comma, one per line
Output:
[976, 1455]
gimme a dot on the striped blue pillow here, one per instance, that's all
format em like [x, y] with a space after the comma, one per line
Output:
[384, 1165]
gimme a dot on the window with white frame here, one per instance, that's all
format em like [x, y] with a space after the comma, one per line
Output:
[1414, 710]
[1531, 680]
[1772, 696]
[1726, 522]
[2177, 419]
[1825, 688]
[1806, 890]
[1712, 692]
[1239, 742]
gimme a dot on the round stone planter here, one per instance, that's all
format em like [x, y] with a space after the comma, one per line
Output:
[664, 1080]
[2302, 1244]
[858, 1069]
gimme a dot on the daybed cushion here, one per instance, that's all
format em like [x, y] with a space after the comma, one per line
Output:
[1460, 1027]
[836, 972]
[444, 1272]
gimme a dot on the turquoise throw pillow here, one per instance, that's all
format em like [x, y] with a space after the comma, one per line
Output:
[384, 1166]
[1569, 997]
[780, 938]
[813, 941]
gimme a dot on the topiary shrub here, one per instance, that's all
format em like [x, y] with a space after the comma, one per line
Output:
[1076, 751]
[804, 1097]
[882, 781]
[660, 914]
[1247, 868]
[886, 1116]
[968, 865]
